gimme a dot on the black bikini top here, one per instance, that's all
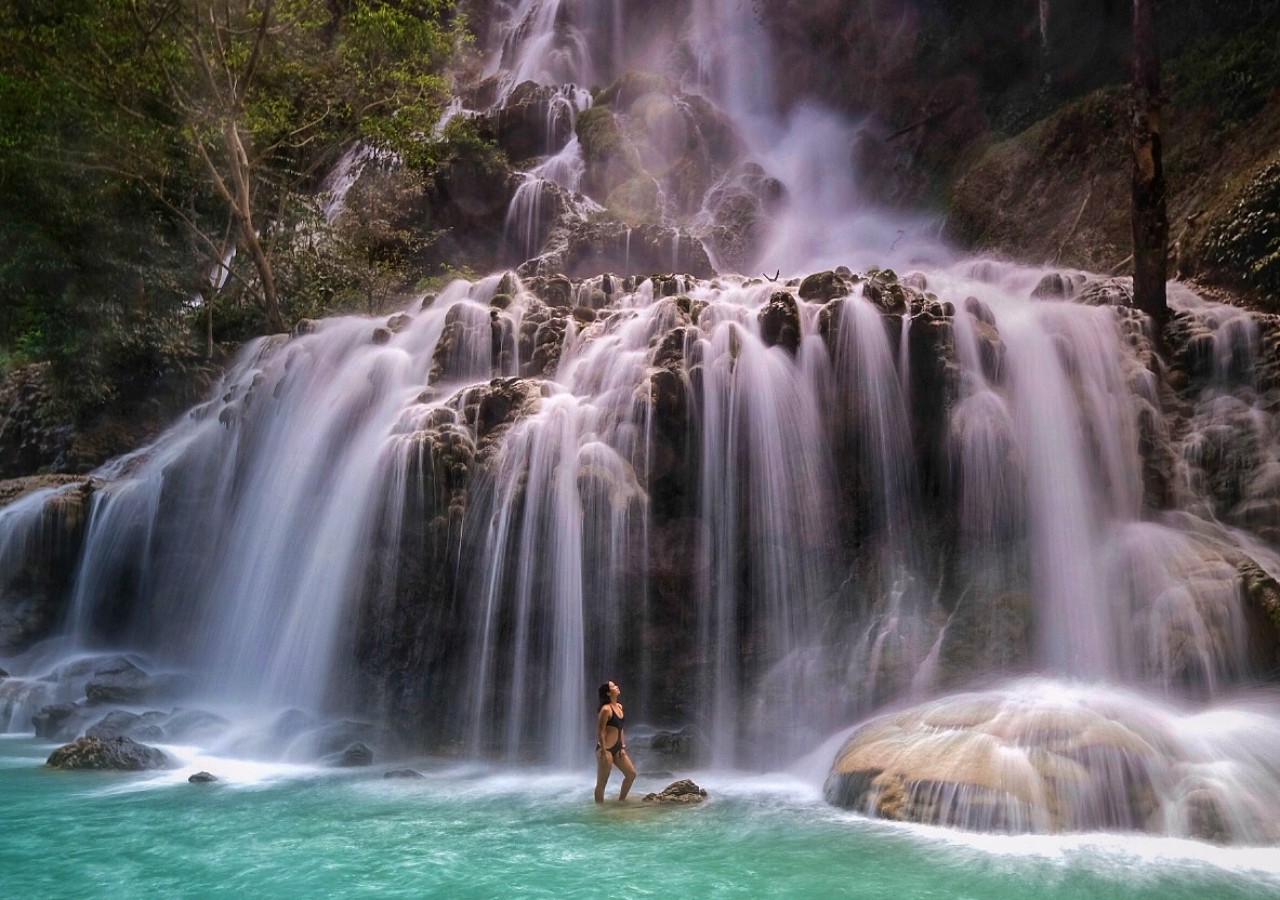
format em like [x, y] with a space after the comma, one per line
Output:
[615, 720]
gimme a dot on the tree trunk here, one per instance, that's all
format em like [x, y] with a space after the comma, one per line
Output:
[1150, 221]
[249, 239]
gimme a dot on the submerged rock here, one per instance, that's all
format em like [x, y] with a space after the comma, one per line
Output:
[683, 791]
[202, 778]
[120, 753]
[354, 756]
[403, 773]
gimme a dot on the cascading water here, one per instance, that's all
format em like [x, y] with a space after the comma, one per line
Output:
[767, 508]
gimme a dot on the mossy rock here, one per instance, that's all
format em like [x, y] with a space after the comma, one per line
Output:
[631, 86]
[635, 201]
[823, 286]
[610, 159]
[118, 753]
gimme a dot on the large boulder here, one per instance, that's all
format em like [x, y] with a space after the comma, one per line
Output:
[780, 322]
[675, 748]
[119, 681]
[59, 721]
[117, 723]
[535, 120]
[120, 753]
[1044, 759]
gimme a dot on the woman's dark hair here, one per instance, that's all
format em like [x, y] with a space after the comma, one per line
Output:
[604, 693]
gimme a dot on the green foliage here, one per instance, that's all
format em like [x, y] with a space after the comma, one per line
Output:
[116, 171]
[1247, 242]
[1235, 77]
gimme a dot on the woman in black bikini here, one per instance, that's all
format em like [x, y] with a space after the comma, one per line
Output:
[610, 747]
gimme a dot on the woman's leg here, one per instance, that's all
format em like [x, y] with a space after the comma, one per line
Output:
[624, 763]
[603, 767]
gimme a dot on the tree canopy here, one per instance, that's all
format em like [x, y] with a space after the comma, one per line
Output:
[160, 161]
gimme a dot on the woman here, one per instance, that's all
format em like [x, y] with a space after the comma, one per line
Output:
[610, 747]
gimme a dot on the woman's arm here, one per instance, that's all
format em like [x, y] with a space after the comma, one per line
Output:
[601, 721]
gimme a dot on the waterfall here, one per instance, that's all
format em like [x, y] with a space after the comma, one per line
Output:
[767, 508]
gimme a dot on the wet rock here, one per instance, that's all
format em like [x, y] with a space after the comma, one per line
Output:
[1103, 292]
[355, 756]
[989, 762]
[683, 791]
[884, 290]
[119, 681]
[399, 322]
[986, 634]
[780, 322]
[410, 774]
[632, 85]
[979, 311]
[491, 408]
[637, 200]
[742, 204]
[382, 336]
[823, 286]
[610, 158]
[202, 778]
[193, 725]
[44, 543]
[581, 249]
[541, 340]
[3, 674]
[1262, 594]
[466, 328]
[12, 489]
[677, 748]
[304, 327]
[1206, 819]
[52, 722]
[535, 120]
[1057, 286]
[556, 291]
[119, 753]
[117, 723]
[338, 737]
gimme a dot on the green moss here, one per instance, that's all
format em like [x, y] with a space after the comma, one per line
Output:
[599, 133]
[635, 201]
